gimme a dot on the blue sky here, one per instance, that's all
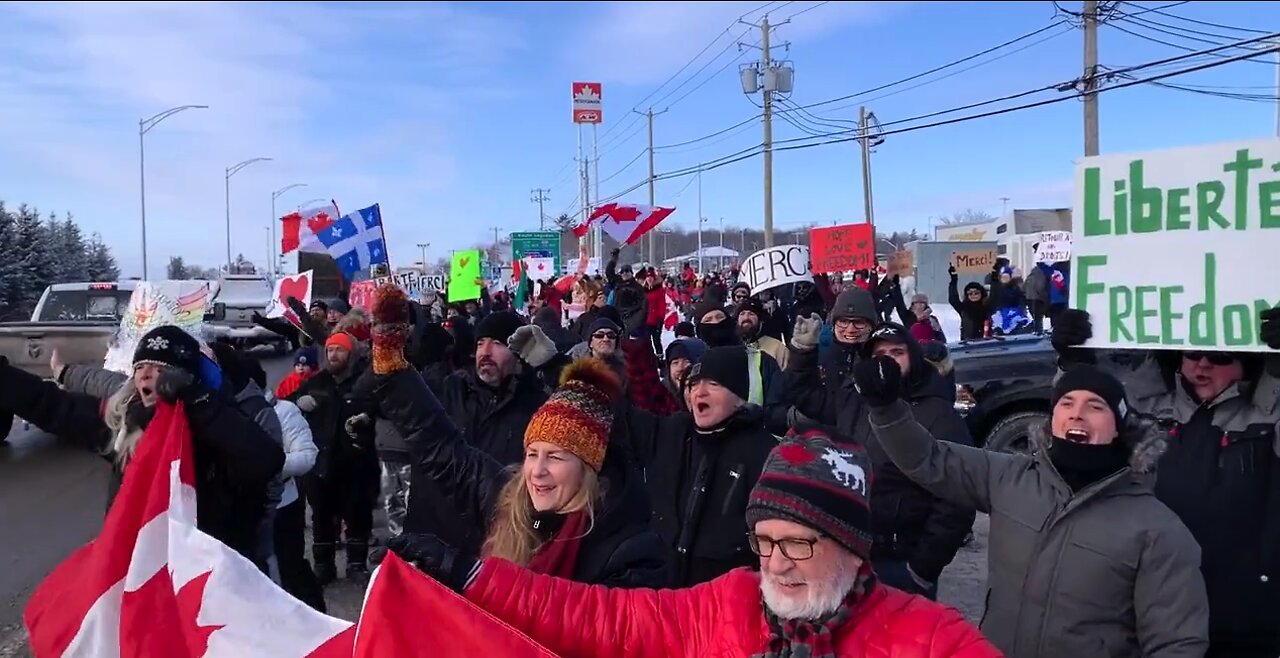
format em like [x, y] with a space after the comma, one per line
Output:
[448, 114]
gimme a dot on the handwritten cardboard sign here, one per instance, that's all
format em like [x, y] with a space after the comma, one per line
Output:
[902, 263]
[842, 248]
[975, 261]
[1053, 247]
[776, 266]
[1215, 207]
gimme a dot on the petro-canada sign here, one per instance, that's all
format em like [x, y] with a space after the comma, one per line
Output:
[588, 103]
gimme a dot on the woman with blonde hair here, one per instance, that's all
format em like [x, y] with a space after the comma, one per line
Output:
[565, 510]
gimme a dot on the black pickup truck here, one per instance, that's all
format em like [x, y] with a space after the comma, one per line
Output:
[1003, 385]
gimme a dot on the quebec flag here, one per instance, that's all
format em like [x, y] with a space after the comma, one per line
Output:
[355, 241]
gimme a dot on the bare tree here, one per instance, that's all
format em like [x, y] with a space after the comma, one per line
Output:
[967, 216]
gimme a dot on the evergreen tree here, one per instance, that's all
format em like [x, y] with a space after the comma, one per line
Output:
[35, 255]
[11, 285]
[100, 264]
[73, 254]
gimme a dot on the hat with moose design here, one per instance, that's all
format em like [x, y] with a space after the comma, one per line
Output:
[810, 480]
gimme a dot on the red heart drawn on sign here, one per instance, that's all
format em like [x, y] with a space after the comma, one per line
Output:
[462, 262]
[296, 286]
[542, 266]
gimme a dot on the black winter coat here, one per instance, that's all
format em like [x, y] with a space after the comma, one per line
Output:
[235, 459]
[909, 523]
[699, 484]
[618, 551]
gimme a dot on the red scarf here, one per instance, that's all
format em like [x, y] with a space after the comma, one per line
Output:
[558, 556]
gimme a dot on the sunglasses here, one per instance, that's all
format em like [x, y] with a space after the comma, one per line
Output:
[604, 335]
[1215, 358]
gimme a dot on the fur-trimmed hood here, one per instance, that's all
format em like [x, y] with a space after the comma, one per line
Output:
[1146, 440]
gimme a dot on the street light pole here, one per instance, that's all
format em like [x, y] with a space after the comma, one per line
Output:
[275, 253]
[232, 171]
[145, 125]
[423, 246]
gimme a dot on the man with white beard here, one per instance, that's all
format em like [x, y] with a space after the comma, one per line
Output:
[815, 595]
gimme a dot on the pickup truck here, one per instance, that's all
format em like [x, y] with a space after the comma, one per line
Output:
[1003, 385]
[79, 320]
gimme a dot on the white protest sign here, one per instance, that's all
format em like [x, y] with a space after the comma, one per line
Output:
[1053, 247]
[776, 266]
[413, 283]
[592, 268]
[539, 268]
[154, 304]
[297, 286]
[1175, 249]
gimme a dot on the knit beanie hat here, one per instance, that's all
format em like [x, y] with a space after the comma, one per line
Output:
[499, 326]
[579, 414]
[726, 366]
[1090, 378]
[307, 356]
[854, 303]
[390, 329]
[808, 479]
[169, 345]
[341, 339]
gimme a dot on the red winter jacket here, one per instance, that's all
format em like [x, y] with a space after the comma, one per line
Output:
[720, 618]
[657, 298]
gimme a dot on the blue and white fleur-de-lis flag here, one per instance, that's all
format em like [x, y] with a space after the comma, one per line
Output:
[356, 241]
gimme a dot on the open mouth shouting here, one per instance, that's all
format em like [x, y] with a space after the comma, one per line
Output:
[1077, 435]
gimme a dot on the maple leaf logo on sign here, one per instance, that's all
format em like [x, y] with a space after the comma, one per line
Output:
[588, 100]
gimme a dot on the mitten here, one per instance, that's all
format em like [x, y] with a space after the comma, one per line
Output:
[807, 330]
[307, 404]
[171, 383]
[878, 380]
[296, 306]
[357, 424]
[532, 345]
[1071, 328]
[436, 559]
[1270, 331]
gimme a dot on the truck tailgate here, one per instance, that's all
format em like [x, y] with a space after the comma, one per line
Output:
[28, 345]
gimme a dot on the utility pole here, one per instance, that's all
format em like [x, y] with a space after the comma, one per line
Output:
[864, 138]
[495, 260]
[770, 78]
[1090, 14]
[539, 196]
[1004, 205]
[423, 246]
[653, 239]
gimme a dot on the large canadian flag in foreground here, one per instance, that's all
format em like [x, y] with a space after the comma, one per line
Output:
[624, 222]
[152, 584]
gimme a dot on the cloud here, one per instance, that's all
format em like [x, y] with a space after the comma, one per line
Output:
[352, 99]
[643, 43]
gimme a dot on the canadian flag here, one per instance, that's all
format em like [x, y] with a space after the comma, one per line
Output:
[300, 228]
[625, 223]
[152, 584]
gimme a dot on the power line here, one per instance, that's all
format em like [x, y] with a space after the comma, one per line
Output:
[1160, 11]
[748, 153]
[805, 108]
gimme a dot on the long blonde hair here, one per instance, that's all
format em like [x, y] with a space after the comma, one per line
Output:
[123, 441]
[511, 533]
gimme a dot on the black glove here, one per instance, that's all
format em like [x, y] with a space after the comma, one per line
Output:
[878, 380]
[296, 306]
[173, 383]
[1270, 331]
[951, 271]
[1071, 328]
[435, 558]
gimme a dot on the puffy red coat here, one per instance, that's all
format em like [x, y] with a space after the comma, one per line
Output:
[722, 618]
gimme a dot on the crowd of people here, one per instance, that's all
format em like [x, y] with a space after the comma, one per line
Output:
[788, 477]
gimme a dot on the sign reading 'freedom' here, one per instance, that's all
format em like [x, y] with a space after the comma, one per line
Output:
[1176, 248]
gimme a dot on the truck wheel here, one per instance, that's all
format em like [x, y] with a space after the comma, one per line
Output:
[1013, 432]
[6, 424]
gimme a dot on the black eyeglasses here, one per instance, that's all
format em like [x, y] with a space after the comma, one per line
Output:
[604, 335]
[1215, 358]
[793, 548]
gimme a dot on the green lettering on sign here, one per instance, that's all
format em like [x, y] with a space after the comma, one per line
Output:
[1168, 314]
[1204, 319]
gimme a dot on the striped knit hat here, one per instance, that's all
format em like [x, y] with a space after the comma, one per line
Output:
[579, 414]
[810, 480]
